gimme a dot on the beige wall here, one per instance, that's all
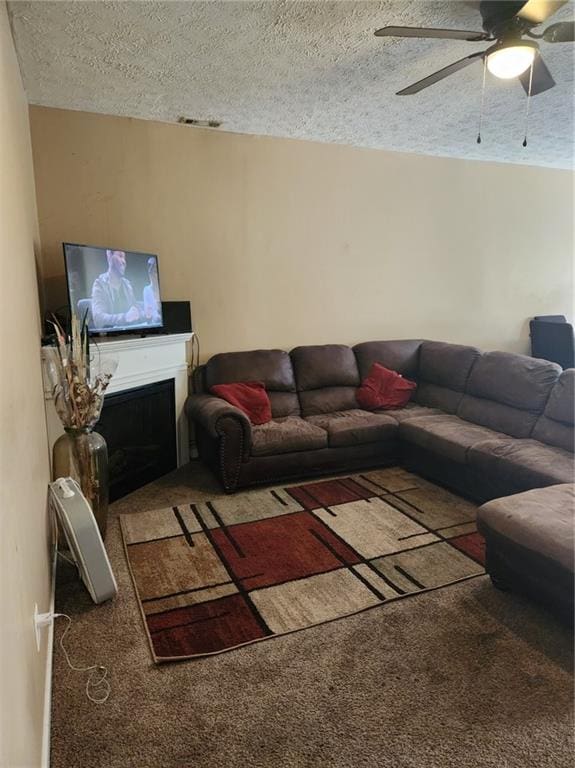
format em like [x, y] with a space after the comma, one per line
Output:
[24, 473]
[280, 242]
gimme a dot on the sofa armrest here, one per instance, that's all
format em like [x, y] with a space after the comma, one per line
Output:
[221, 420]
[228, 430]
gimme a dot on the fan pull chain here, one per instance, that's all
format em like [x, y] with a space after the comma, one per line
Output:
[482, 100]
[528, 103]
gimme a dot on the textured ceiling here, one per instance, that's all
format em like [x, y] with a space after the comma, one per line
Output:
[305, 70]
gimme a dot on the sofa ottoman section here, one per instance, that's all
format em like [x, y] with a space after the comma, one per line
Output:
[530, 544]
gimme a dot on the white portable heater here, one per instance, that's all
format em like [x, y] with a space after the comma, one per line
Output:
[81, 530]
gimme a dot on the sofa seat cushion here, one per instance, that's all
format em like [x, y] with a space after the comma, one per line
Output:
[540, 520]
[446, 435]
[412, 411]
[355, 427]
[286, 436]
[519, 465]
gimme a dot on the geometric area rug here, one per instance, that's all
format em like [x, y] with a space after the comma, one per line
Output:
[213, 576]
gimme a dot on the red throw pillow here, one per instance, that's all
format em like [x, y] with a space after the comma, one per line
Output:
[249, 396]
[384, 389]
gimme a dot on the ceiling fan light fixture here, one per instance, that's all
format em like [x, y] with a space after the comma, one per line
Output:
[511, 60]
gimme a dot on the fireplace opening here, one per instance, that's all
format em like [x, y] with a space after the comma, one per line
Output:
[139, 426]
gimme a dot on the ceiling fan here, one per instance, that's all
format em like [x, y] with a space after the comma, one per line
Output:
[505, 22]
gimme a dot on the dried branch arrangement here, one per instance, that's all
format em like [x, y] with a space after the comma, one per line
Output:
[77, 390]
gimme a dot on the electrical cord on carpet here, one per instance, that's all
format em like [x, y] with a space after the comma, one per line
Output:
[98, 677]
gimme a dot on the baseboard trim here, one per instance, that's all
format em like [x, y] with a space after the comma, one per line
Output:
[47, 720]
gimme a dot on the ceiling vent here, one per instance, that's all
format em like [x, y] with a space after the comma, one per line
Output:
[199, 123]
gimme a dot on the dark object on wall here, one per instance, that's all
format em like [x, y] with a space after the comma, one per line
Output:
[177, 316]
[552, 339]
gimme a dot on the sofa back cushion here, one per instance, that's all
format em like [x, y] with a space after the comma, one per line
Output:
[508, 392]
[401, 356]
[443, 373]
[326, 378]
[555, 425]
[271, 366]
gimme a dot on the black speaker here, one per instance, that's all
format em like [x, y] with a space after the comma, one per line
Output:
[177, 316]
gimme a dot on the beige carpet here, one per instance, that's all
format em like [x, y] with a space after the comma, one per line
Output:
[462, 677]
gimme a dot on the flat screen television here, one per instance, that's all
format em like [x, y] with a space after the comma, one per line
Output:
[116, 291]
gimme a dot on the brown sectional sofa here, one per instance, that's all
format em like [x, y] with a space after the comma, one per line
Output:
[486, 424]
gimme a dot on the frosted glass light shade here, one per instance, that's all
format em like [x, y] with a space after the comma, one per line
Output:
[511, 61]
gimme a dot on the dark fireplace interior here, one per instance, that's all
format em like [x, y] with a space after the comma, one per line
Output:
[139, 426]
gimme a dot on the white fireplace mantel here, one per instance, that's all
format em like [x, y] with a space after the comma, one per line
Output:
[142, 361]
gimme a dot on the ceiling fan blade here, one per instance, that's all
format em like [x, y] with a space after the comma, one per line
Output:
[537, 11]
[542, 77]
[444, 34]
[562, 32]
[440, 74]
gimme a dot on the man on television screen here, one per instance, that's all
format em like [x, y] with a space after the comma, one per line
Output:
[113, 301]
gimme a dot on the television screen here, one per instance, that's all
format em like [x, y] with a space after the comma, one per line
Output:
[115, 290]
